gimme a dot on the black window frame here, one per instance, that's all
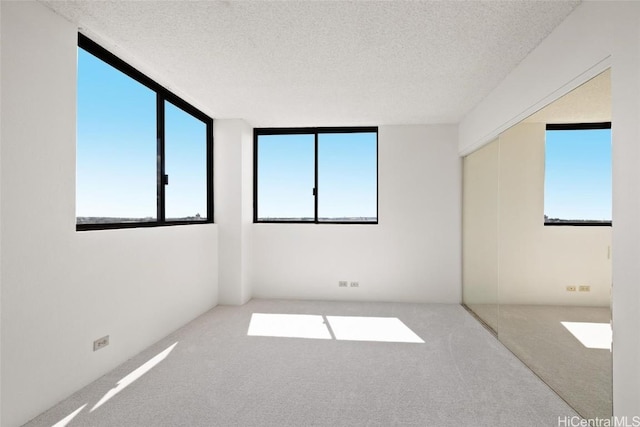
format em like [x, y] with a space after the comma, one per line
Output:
[569, 127]
[316, 190]
[163, 95]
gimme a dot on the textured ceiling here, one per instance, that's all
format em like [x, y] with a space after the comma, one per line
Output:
[323, 63]
[588, 103]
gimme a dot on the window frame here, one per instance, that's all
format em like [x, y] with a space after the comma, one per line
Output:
[569, 127]
[257, 132]
[162, 95]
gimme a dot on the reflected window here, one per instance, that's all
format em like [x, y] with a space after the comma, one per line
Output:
[577, 185]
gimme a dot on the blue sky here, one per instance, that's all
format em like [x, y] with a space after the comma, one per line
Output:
[578, 174]
[116, 158]
[347, 176]
[185, 149]
[286, 176]
[347, 181]
[116, 162]
[117, 150]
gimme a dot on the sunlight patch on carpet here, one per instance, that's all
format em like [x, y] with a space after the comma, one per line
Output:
[126, 381]
[288, 326]
[66, 420]
[591, 335]
[342, 328]
[380, 329]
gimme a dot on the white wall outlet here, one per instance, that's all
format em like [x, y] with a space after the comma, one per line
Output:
[355, 284]
[584, 288]
[101, 343]
[571, 288]
[342, 284]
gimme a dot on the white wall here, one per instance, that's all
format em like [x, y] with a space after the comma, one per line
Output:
[538, 262]
[413, 254]
[233, 207]
[1, 314]
[62, 289]
[595, 36]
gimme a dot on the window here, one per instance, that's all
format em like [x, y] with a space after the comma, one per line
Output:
[316, 175]
[577, 185]
[144, 156]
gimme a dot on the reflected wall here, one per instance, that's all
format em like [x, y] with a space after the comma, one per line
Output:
[480, 233]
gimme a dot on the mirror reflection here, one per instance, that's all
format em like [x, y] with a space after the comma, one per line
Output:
[537, 243]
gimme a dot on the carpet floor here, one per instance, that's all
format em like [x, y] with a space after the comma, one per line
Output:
[304, 363]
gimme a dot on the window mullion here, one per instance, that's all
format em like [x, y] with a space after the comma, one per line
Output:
[315, 191]
[210, 171]
[160, 159]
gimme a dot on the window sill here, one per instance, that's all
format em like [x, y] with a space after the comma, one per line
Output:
[580, 223]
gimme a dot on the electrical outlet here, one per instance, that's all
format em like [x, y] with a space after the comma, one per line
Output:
[584, 288]
[101, 343]
[355, 284]
[342, 284]
[571, 288]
